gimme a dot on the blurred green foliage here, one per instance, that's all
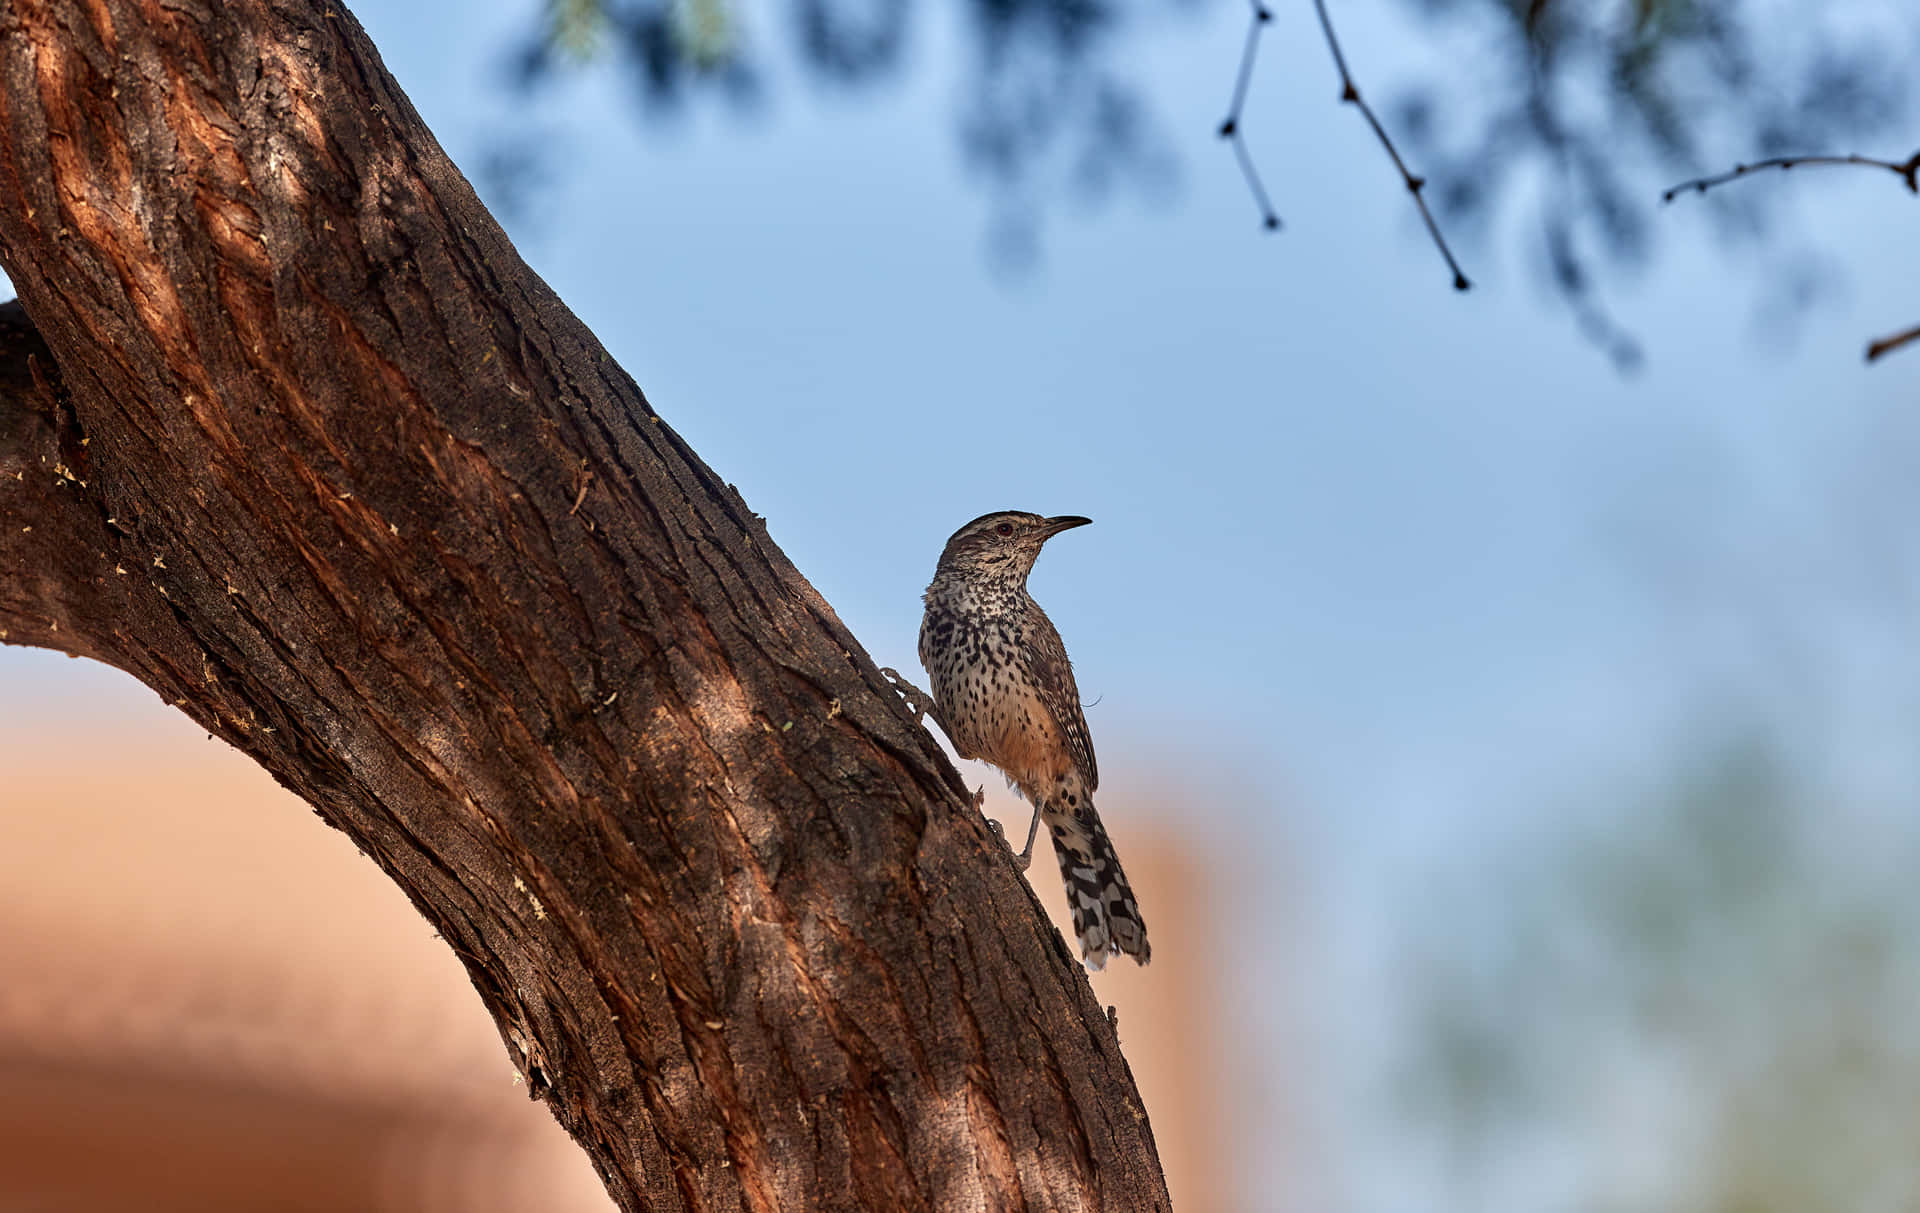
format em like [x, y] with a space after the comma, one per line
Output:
[1712, 1008]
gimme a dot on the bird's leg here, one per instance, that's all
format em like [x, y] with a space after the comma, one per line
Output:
[1024, 859]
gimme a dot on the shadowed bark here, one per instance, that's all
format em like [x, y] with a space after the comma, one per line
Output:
[294, 437]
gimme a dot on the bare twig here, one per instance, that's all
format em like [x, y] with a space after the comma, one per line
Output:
[1907, 170]
[1350, 93]
[1230, 128]
[1886, 345]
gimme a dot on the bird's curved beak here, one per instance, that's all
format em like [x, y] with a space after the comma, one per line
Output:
[1066, 522]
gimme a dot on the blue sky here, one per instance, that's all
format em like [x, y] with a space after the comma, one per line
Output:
[1376, 548]
[1375, 536]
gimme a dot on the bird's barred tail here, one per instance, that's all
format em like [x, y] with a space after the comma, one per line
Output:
[1105, 915]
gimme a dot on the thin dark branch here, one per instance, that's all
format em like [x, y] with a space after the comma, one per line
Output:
[1886, 345]
[1267, 214]
[1349, 92]
[1230, 128]
[1907, 170]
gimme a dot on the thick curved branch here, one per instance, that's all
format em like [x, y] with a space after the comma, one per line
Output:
[51, 540]
[61, 584]
[344, 480]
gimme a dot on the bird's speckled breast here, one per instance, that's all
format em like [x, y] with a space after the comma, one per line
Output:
[972, 653]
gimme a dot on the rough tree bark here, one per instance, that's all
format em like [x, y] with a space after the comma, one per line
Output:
[290, 433]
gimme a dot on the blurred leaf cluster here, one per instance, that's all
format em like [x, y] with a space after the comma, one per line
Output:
[1045, 107]
[1588, 107]
[1573, 113]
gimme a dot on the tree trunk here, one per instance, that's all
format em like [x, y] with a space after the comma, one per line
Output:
[294, 437]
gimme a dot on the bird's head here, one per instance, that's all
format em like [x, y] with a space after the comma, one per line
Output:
[1001, 546]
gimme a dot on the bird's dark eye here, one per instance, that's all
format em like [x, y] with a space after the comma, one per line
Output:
[1005, 528]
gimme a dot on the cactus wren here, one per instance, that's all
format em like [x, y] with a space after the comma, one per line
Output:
[1003, 691]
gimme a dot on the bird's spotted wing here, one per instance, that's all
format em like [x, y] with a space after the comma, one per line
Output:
[1052, 676]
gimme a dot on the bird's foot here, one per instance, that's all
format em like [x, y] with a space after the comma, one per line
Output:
[1021, 861]
[918, 701]
[1024, 859]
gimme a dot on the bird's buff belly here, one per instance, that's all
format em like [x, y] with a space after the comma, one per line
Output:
[1019, 736]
